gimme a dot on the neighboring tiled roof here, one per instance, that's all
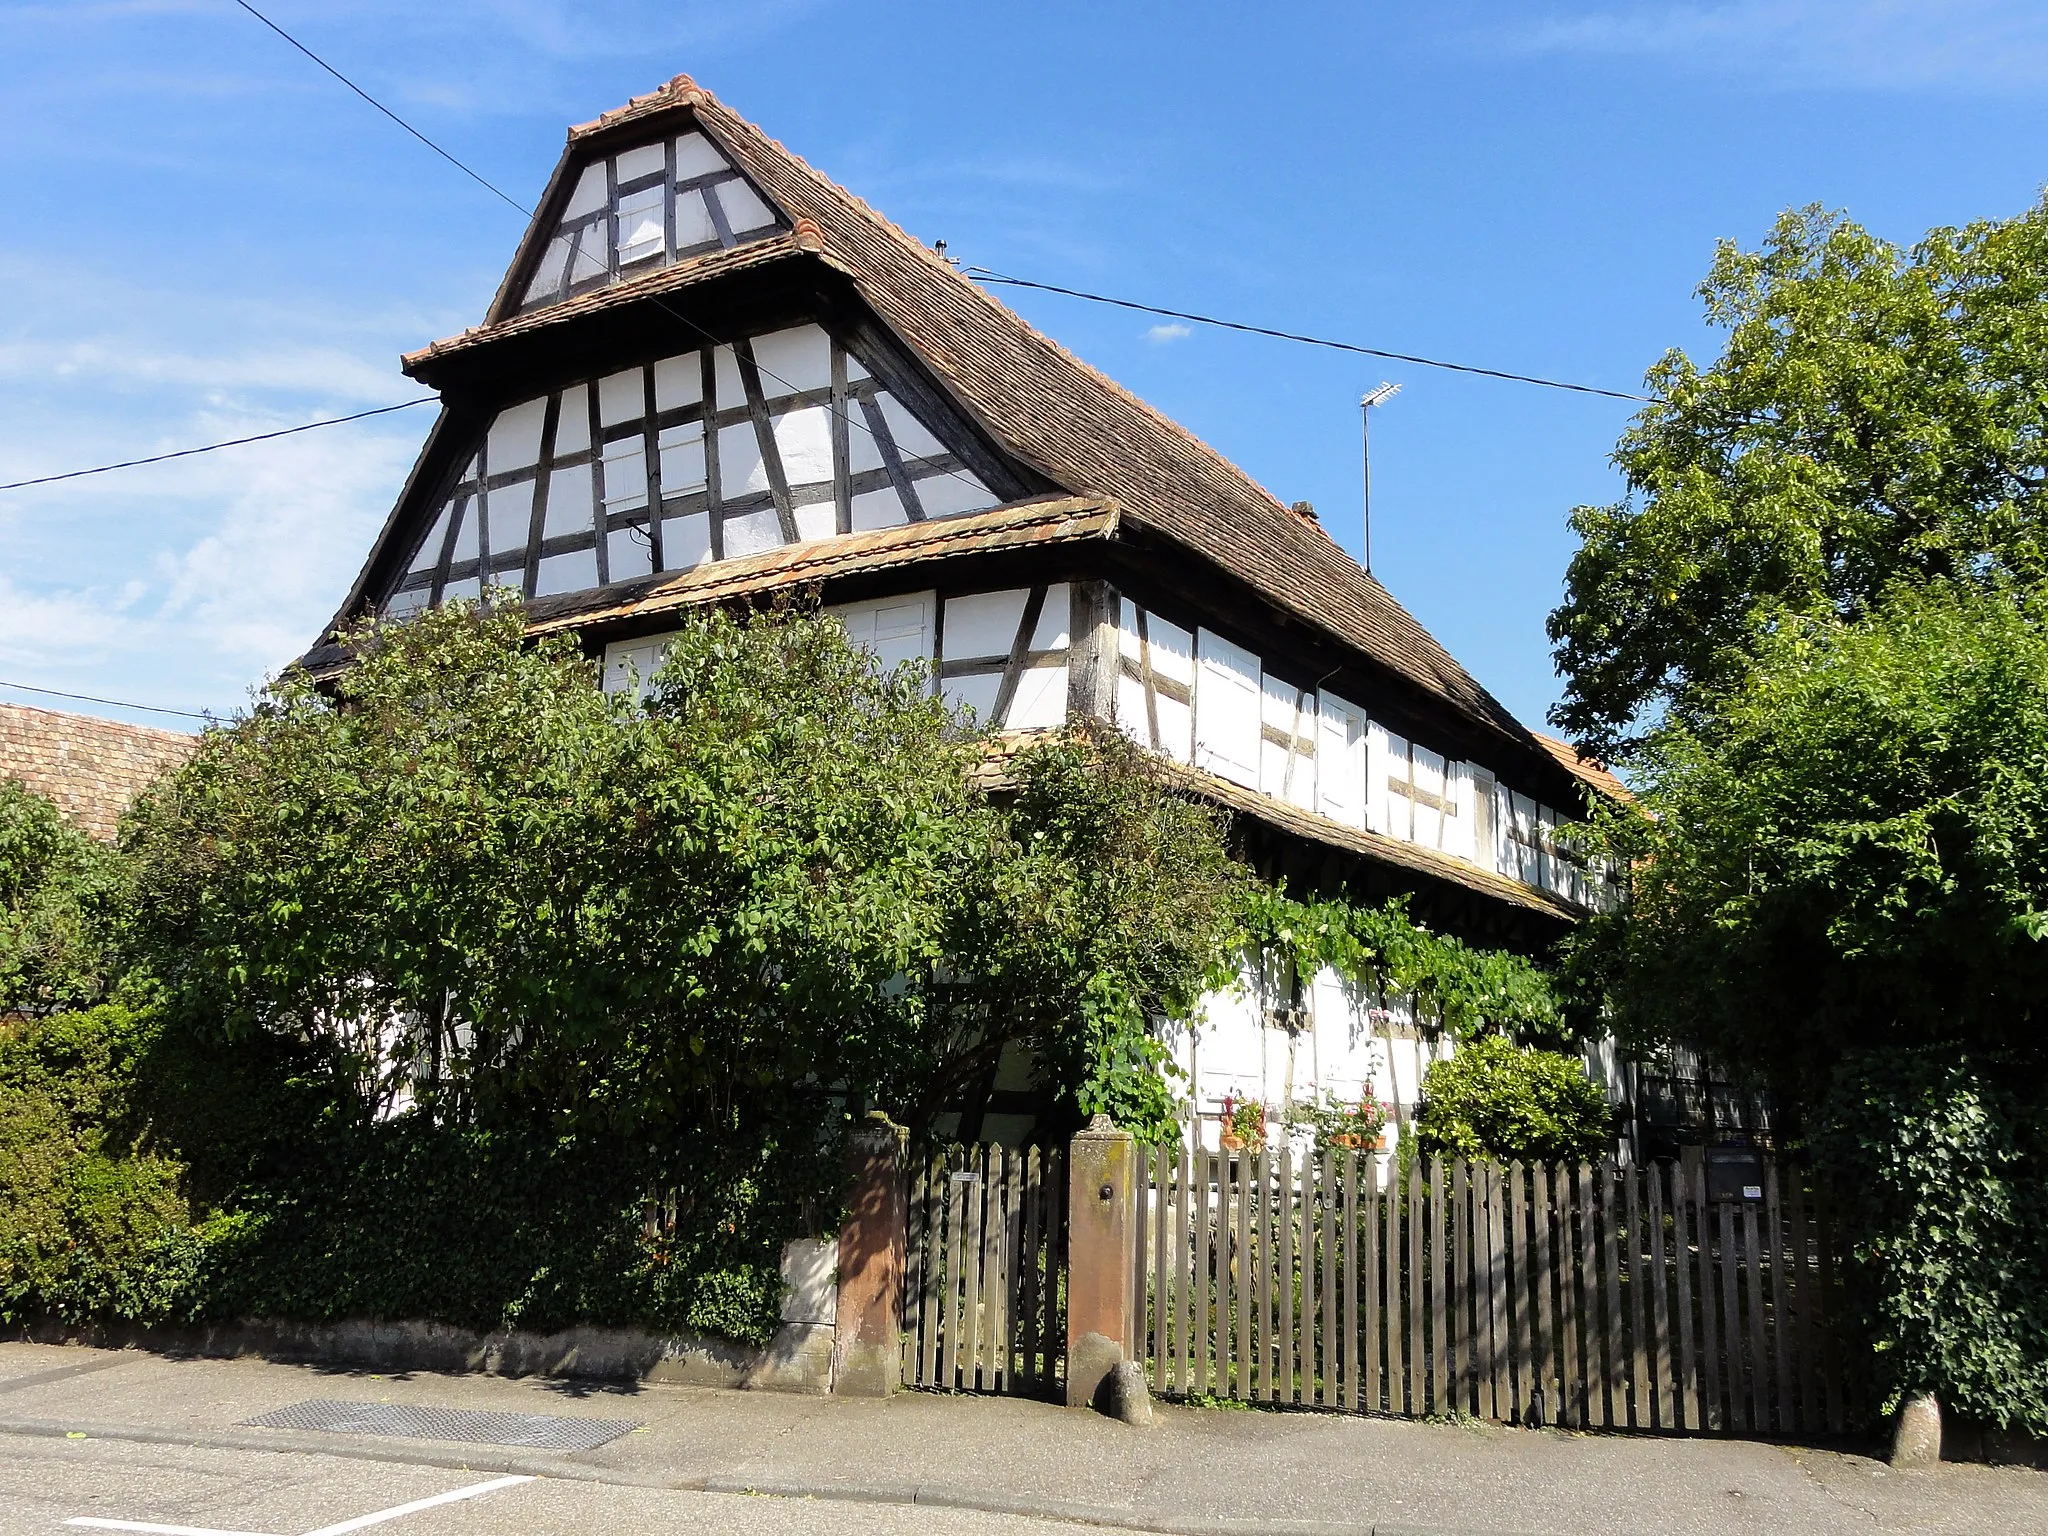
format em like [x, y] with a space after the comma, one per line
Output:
[1315, 828]
[1054, 412]
[1588, 771]
[1021, 525]
[91, 768]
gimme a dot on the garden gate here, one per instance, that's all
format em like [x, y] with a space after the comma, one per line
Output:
[1589, 1295]
[984, 1282]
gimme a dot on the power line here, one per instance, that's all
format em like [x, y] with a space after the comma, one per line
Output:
[988, 276]
[233, 442]
[92, 698]
[373, 101]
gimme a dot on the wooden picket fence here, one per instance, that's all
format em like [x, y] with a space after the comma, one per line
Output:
[1596, 1295]
[984, 1294]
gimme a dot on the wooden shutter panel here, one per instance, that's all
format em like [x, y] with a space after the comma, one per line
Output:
[1287, 752]
[896, 629]
[1227, 710]
[1427, 804]
[1378, 751]
[1480, 785]
[1340, 760]
[1388, 764]
[631, 664]
[1459, 821]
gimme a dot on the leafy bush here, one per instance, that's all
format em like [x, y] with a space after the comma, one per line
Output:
[58, 898]
[484, 997]
[494, 891]
[95, 1223]
[150, 1173]
[1495, 1099]
[1939, 1184]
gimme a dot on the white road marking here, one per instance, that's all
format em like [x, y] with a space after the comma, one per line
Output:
[361, 1522]
[474, 1490]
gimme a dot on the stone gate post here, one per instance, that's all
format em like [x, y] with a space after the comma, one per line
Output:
[867, 1355]
[1100, 1191]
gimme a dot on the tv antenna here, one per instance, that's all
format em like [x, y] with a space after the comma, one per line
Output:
[1371, 398]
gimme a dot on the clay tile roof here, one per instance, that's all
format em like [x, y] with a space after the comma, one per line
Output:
[1088, 433]
[1588, 771]
[92, 769]
[1084, 432]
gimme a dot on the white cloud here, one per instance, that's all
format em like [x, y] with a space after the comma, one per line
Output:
[183, 583]
[1173, 330]
[1990, 45]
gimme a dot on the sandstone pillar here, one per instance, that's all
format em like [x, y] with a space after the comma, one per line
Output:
[1100, 1191]
[867, 1348]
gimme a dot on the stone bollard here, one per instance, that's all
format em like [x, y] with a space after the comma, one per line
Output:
[1916, 1438]
[1099, 1195]
[1124, 1395]
[867, 1352]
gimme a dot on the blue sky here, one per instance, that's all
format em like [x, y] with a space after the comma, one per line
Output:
[206, 237]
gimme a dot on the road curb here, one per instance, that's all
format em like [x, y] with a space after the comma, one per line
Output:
[915, 1495]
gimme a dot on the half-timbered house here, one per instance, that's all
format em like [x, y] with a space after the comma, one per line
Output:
[711, 375]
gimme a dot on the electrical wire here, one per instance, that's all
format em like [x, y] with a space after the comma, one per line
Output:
[988, 276]
[233, 442]
[93, 698]
[373, 101]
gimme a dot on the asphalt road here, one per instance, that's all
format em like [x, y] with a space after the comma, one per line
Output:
[45, 1485]
[135, 1441]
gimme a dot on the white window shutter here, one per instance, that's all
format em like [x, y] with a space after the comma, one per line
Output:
[1427, 770]
[1461, 822]
[1483, 835]
[1378, 756]
[1518, 831]
[631, 664]
[1340, 760]
[1227, 710]
[1389, 765]
[896, 629]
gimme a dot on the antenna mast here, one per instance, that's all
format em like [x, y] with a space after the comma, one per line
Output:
[1372, 398]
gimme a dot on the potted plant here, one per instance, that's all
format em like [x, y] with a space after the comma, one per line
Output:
[1243, 1124]
[1344, 1125]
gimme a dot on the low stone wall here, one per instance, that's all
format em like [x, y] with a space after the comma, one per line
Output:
[798, 1359]
[1965, 1439]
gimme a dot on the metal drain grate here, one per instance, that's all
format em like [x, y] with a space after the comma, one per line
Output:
[536, 1431]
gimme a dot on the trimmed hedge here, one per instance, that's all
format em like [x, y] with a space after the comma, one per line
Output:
[151, 1175]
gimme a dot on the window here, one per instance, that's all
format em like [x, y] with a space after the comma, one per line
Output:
[641, 234]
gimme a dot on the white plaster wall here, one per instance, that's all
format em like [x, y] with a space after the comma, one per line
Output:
[1341, 1046]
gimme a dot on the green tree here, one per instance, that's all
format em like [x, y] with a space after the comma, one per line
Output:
[1850, 852]
[1840, 887]
[1876, 413]
[780, 882]
[60, 902]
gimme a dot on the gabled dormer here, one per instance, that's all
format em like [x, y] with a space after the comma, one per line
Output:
[618, 208]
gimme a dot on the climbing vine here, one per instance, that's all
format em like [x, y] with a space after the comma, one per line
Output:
[1456, 991]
